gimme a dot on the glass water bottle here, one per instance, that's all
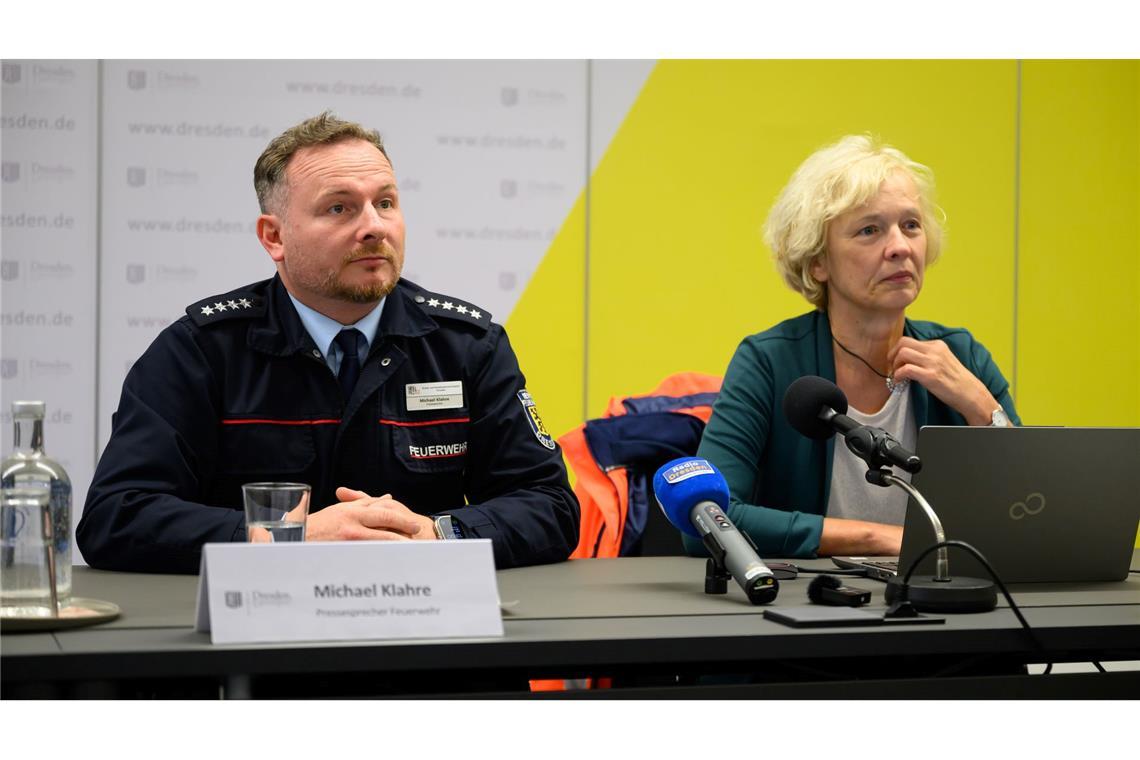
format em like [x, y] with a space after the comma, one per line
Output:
[30, 467]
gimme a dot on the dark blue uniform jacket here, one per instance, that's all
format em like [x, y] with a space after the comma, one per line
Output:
[241, 394]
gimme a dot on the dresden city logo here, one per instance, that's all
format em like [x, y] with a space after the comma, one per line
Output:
[9, 270]
[9, 368]
[509, 96]
[233, 599]
[136, 273]
[11, 171]
[136, 176]
[12, 73]
[136, 80]
[509, 188]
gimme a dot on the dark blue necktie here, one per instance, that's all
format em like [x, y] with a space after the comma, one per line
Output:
[348, 340]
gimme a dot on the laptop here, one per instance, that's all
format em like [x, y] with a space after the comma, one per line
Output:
[1042, 504]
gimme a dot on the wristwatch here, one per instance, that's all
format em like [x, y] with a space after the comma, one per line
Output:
[998, 418]
[446, 529]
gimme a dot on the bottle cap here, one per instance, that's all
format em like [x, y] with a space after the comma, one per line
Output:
[28, 409]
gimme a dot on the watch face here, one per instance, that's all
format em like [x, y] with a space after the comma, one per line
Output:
[446, 528]
[999, 418]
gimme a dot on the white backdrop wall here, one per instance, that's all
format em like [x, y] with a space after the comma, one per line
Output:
[49, 114]
[127, 194]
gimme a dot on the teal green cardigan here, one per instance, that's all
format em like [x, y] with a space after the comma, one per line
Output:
[779, 480]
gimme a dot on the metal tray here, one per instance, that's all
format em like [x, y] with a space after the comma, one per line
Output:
[79, 613]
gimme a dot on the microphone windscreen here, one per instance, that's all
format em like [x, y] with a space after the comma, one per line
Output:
[819, 583]
[684, 483]
[805, 398]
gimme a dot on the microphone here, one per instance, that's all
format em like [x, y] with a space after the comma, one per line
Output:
[817, 409]
[693, 495]
[827, 589]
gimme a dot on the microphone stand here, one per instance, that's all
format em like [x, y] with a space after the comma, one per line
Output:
[940, 592]
[716, 572]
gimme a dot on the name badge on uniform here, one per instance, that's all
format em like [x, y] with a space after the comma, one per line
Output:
[427, 396]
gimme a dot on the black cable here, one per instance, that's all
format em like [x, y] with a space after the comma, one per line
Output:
[989, 569]
[1099, 667]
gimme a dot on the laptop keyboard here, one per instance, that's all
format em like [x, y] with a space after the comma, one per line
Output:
[891, 565]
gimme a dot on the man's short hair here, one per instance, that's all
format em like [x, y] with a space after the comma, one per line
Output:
[832, 181]
[269, 171]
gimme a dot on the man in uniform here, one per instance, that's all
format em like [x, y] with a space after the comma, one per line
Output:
[404, 410]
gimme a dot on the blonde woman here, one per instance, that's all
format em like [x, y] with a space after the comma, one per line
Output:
[853, 232]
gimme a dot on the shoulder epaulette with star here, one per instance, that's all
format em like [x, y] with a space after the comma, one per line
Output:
[235, 305]
[437, 305]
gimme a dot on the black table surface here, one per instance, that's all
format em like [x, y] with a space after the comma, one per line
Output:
[572, 617]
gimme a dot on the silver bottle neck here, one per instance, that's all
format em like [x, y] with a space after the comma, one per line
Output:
[28, 435]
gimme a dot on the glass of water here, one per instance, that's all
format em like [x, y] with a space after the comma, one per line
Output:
[275, 512]
[28, 584]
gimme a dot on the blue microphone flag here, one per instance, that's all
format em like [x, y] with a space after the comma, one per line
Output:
[681, 484]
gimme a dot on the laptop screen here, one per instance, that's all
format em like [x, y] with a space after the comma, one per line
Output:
[1040, 503]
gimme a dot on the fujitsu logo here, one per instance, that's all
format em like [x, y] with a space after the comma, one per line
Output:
[1034, 504]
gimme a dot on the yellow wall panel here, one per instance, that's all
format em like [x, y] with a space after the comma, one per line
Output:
[678, 272]
[1079, 316]
[547, 328]
[1042, 261]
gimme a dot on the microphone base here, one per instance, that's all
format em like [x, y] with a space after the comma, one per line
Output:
[955, 595]
[716, 577]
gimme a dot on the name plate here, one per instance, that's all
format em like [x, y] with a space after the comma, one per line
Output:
[344, 590]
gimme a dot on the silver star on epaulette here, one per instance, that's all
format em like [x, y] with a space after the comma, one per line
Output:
[245, 304]
[207, 310]
[448, 305]
[220, 306]
[232, 304]
[433, 302]
[476, 314]
[461, 309]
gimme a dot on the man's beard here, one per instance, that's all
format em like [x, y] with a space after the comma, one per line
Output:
[332, 286]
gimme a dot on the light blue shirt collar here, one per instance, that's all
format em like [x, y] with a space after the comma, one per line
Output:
[323, 330]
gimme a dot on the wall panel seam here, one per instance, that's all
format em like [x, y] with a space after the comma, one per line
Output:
[586, 244]
[97, 385]
[1016, 229]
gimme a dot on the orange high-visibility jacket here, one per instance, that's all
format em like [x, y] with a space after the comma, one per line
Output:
[603, 493]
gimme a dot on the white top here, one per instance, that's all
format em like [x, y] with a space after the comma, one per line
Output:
[851, 496]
